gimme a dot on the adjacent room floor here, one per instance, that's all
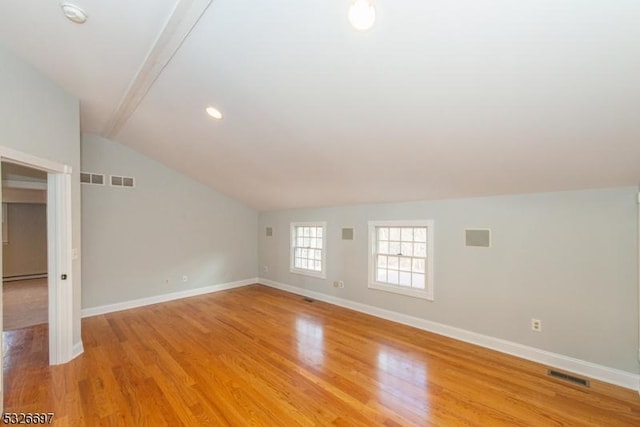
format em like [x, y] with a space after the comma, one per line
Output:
[25, 303]
[260, 356]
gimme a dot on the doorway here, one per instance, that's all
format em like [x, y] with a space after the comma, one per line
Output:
[59, 279]
[24, 242]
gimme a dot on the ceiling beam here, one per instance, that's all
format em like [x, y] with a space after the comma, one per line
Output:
[184, 18]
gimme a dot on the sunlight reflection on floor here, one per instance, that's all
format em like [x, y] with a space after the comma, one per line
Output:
[402, 380]
[310, 341]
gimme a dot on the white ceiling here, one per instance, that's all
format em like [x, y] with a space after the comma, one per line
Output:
[442, 98]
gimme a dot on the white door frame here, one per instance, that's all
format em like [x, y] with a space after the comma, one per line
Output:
[638, 212]
[59, 251]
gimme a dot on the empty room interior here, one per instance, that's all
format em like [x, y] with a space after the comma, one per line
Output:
[340, 212]
[24, 242]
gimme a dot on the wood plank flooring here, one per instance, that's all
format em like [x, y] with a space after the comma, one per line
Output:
[259, 356]
[25, 303]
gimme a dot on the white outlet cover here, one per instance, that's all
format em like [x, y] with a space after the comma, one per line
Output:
[536, 325]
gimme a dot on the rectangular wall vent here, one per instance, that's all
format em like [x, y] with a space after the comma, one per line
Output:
[567, 377]
[269, 231]
[347, 234]
[479, 238]
[91, 178]
[122, 181]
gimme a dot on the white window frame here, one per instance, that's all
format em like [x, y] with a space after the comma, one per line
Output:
[427, 293]
[322, 274]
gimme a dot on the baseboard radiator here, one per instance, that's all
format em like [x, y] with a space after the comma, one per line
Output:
[24, 277]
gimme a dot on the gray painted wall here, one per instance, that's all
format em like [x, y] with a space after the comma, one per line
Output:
[39, 118]
[137, 239]
[26, 251]
[568, 258]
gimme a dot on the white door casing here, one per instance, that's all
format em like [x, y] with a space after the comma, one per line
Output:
[59, 251]
[59, 271]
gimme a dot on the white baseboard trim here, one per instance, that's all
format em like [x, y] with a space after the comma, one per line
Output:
[126, 305]
[77, 350]
[559, 361]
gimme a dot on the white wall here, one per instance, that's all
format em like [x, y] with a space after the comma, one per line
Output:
[568, 258]
[26, 251]
[39, 118]
[139, 242]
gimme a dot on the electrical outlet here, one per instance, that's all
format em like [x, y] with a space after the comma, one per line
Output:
[338, 284]
[266, 269]
[536, 325]
[185, 278]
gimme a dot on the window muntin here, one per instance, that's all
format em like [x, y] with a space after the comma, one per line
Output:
[308, 242]
[401, 257]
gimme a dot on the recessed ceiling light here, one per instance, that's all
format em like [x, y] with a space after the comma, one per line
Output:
[362, 14]
[214, 112]
[74, 13]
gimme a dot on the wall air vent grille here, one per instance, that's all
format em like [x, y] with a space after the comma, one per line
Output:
[122, 181]
[479, 238]
[347, 234]
[91, 178]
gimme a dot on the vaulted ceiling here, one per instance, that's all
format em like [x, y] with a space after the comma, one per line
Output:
[440, 99]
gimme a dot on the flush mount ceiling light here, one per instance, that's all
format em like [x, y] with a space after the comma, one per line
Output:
[362, 14]
[74, 13]
[214, 112]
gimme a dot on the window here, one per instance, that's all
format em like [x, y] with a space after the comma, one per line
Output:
[401, 257]
[308, 248]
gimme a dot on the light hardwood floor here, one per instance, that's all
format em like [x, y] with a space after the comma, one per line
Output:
[259, 356]
[25, 303]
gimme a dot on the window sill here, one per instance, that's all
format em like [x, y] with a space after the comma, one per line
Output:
[310, 273]
[416, 293]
